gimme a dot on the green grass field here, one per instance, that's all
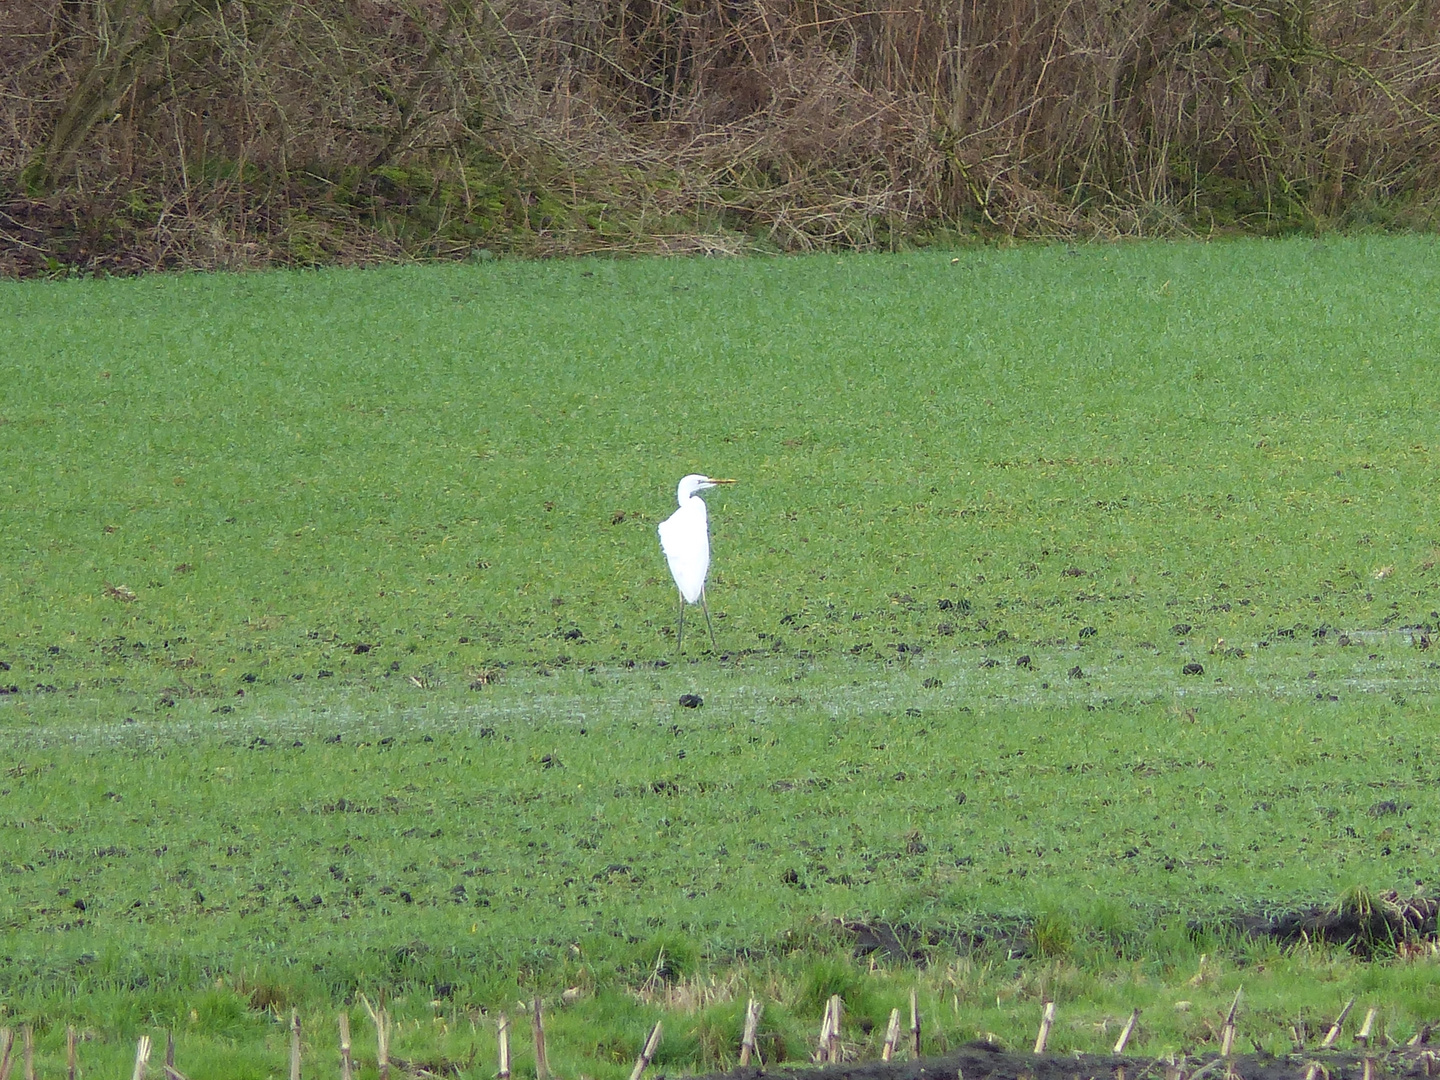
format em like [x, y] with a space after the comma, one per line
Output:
[341, 650]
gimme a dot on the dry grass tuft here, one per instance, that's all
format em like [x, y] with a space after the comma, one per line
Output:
[693, 995]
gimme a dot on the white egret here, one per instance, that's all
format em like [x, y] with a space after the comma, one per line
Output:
[685, 539]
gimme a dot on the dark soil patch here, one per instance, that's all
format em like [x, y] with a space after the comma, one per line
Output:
[980, 1061]
[1383, 924]
[900, 941]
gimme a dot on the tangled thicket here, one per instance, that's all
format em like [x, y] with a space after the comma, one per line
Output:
[145, 133]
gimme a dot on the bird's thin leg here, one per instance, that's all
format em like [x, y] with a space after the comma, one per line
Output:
[680, 630]
[706, 608]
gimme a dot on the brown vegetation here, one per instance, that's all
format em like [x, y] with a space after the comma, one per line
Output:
[143, 133]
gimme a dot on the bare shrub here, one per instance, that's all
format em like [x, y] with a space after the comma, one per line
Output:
[236, 132]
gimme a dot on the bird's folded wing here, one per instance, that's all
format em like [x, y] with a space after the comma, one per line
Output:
[686, 545]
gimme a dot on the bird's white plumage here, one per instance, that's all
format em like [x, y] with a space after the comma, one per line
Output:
[685, 539]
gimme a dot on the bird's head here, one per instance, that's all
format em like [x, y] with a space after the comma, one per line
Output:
[694, 484]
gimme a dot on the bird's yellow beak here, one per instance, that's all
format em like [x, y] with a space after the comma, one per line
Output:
[713, 481]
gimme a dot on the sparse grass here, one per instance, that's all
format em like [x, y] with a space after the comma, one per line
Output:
[1204, 454]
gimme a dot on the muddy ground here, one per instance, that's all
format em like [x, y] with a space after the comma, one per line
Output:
[979, 1061]
[1385, 924]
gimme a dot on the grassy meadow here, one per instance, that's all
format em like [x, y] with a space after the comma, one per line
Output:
[1069, 599]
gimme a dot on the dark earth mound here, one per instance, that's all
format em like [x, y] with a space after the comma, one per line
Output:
[979, 1061]
[1384, 923]
[1381, 924]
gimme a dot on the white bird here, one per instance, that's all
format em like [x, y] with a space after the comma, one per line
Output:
[685, 539]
